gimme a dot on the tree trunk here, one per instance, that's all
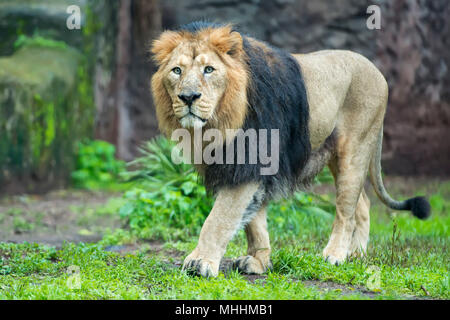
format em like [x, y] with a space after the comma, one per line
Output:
[123, 69]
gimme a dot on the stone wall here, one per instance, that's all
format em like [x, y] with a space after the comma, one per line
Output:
[413, 53]
[41, 118]
[45, 108]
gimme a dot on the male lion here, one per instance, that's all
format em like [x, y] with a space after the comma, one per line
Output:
[328, 106]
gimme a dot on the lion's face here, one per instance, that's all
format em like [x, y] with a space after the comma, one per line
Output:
[195, 83]
[201, 79]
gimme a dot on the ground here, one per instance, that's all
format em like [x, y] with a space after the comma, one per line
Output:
[44, 238]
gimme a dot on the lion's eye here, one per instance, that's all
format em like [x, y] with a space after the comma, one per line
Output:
[209, 69]
[176, 70]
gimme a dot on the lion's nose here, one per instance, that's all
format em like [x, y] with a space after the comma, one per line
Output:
[189, 97]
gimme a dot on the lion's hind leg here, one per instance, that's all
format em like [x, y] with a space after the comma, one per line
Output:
[257, 260]
[360, 238]
[349, 169]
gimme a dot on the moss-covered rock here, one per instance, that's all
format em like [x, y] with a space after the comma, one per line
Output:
[30, 17]
[42, 115]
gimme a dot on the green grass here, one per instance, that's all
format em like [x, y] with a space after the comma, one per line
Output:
[414, 264]
[35, 272]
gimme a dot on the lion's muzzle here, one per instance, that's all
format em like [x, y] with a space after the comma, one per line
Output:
[189, 98]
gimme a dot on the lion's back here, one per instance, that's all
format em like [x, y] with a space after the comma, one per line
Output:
[338, 80]
[342, 68]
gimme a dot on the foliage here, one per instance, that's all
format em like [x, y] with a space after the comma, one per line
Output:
[289, 217]
[155, 169]
[23, 41]
[96, 165]
[171, 202]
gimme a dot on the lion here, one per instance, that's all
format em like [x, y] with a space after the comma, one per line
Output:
[328, 106]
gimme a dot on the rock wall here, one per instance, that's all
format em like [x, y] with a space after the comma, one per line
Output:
[41, 118]
[45, 95]
[413, 53]
[29, 17]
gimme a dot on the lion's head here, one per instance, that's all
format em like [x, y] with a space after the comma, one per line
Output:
[201, 80]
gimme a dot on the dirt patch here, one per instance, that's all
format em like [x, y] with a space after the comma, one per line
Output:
[67, 215]
[54, 241]
[171, 257]
[343, 289]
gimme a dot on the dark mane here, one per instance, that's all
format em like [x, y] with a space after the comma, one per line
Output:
[277, 100]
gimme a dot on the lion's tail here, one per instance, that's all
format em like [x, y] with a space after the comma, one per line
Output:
[419, 206]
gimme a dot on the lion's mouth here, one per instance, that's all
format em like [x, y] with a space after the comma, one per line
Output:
[191, 120]
[190, 113]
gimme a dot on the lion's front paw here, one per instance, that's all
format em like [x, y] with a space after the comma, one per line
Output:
[251, 265]
[201, 266]
[335, 257]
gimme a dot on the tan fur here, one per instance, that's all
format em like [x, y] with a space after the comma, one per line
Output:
[361, 235]
[346, 94]
[219, 228]
[257, 260]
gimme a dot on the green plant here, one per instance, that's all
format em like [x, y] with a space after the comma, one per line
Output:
[154, 169]
[394, 240]
[20, 225]
[170, 202]
[287, 218]
[96, 165]
[39, 41]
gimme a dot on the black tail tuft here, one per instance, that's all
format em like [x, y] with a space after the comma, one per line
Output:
[419, 207]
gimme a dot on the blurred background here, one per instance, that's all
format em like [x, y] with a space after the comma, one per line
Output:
[62, 89]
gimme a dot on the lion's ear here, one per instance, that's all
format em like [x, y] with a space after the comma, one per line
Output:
[226, 41]
[164, 45]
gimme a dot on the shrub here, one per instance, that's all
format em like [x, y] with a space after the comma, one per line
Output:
[96, 165]
[36, 40]
[170, 202]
